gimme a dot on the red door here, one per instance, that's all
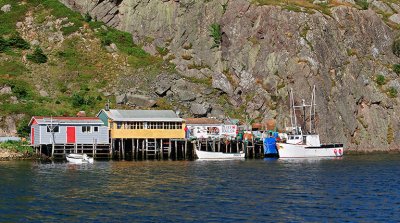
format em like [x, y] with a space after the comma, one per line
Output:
[71, 135]
[32, 136]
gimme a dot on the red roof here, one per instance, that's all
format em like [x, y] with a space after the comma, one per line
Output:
[36, 119]
[66, 118]
[202, 121]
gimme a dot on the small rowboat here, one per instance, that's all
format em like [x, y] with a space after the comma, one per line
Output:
[79, 158]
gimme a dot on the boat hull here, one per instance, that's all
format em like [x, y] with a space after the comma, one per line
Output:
[203, 155]
[79, 158]
[302, 151]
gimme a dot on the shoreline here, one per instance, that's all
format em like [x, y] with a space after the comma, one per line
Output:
[6, 155]
[10, 155]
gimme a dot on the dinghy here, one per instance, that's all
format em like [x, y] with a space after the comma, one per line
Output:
[79, 158]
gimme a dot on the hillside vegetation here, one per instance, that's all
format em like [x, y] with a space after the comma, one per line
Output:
[58, 62]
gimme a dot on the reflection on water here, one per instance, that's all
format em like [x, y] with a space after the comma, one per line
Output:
[354, 188]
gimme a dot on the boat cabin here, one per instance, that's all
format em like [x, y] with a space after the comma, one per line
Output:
[67, 130]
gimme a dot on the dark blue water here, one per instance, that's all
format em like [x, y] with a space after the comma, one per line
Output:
[355, 189]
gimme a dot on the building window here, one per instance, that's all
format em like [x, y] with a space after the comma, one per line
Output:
[179, 125]
[55, 129]
[166, 125]
[119, 125]
[86, 129]
[96, 129]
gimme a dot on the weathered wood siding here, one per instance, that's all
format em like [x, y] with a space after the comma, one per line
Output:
[60, 137]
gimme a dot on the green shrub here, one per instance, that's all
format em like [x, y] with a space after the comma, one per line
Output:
[392, 92]
[3, 44]
[87, 17]
[396, 68]
[216, 34]
[380, 80]
[38, 56]
[23, 129]
[363, 4]
[77, 100]
[162, 50]
[17, 42]
[20, 91]
[396, 47]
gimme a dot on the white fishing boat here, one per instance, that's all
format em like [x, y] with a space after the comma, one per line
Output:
[79, 158]
[303, 145]
[205, 155]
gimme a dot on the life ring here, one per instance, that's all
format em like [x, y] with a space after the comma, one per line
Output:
[335, 151]
[340, 151]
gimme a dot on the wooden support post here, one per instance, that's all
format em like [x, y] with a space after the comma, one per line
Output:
[219, 145]
[213, 146]
[93, 148]
[185, 149]
[176, 150]
[142, 149]
[137, 149]
[133, 149]
[147, 149]
[111, 148]
[123, 148]
[252, 143]
[161, 149]
[169, 149]
[226, 146]
[237, 146]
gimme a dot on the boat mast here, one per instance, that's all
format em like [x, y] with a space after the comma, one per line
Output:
[312, 111]
[293, 118]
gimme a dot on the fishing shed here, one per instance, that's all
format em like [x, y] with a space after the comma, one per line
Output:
[68, 133]
[67, 130]
[148, 132]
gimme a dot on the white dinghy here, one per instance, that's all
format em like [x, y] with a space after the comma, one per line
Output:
[79, 158]
[205, 155]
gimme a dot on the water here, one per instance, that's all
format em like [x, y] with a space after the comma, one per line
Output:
[356, 189]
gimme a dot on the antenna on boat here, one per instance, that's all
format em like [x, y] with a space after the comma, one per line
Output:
[312, 111]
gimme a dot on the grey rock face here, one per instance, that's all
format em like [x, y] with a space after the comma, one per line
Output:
[199, 110]
[221, 82]
[5, 90]
[6, 8]
[140, 100]
[186, 95]
[395, 18]
[270, 50]
[121, 99]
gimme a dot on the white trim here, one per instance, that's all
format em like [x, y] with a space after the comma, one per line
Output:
[40, 133]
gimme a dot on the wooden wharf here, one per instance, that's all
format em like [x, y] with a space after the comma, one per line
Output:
[154, 149]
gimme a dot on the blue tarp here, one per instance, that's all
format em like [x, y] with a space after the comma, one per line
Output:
[270, 146]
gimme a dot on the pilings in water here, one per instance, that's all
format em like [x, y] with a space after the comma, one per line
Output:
[156, 149]
[181, 149]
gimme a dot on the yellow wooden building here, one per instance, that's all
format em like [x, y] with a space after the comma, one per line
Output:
[143, 124]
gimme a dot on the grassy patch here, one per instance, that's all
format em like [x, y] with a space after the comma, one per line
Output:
[21, 147]
[12, 68]
[380, 80]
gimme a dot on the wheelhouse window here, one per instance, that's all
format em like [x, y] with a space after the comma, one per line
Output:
[95, 129]
[55, 129]
[86, 129]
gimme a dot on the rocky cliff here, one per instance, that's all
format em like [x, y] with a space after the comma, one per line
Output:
[254, 53]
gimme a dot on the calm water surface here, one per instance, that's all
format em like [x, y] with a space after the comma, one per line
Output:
[356, 189]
